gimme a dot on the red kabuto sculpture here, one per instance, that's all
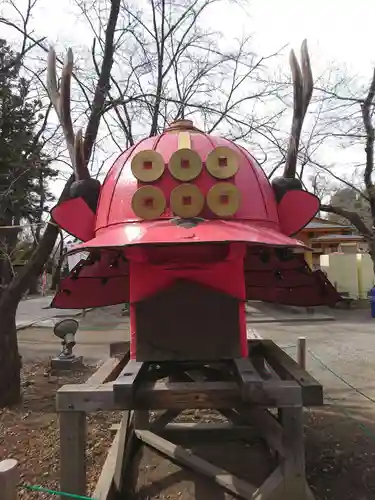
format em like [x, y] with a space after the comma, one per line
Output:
[187, 227]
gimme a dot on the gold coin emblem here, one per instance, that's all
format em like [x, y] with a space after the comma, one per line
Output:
[224, 199]
[148, 202]
[185, 165]
[222, 163]
[187, 201]
[147, 166]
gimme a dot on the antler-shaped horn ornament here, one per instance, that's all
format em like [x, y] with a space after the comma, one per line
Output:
[60, 99]
[302, 90]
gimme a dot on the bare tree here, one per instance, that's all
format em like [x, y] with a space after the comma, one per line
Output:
[346, 127]
[80, 149]
[169, 66]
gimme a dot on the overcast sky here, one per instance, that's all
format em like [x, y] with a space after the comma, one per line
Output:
[337, 31]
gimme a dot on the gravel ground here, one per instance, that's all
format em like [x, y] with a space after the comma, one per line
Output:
[29, 432]
[340, 451]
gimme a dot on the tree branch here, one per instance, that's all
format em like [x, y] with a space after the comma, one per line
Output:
[352, 217]
[102, 86]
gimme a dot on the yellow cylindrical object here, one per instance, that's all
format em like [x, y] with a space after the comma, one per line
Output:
[309, 259]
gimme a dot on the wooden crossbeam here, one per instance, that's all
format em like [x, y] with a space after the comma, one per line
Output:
[117, 349]
[251, 383]
[125, 385]
[231, 483]
[104, 486]
[205, 432]
[267, 425]
[177, 396]
[124, 449]
[108, 371]
[288, 369]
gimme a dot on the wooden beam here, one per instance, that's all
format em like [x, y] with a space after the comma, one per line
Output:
[119, 349]
[267, 425]
[123, 453]
[86, 398]
[9, 479]
[124, 386]
[204, 432]
[301, 352]
[288, 369]
[231, 483]
[251, 383]
[174, 395]
[107, 372]
[293, 465]
[165, 418]
[73, 452]
[272, 488]
[104, 486]
[214, 395]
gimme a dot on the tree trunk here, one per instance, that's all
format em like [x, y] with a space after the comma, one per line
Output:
[10, 363]
[10, 381]
[33, 288]
[56, 276]
[371, 247]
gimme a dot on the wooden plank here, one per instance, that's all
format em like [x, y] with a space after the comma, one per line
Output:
[9, 479]
[251, 383]
[182, 395]
[301, 352]
[204, 432]
[73, 452]
[293, 465]
[104, 486]
[174, 395]
[119, 349]
[288, 369]
[108, 371]
[82, 397]
[310, 494]
[165, 418]
[272, 488]
[121, 460]
[125, 385]
[267, 425]
[178, 454]
[141, 419]
[123, 453]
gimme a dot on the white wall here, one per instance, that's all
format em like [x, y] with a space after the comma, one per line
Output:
[351, 274]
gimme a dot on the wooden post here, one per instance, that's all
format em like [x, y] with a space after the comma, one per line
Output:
[72, 452]
[301, 352]
[293, 462]
[9, 478]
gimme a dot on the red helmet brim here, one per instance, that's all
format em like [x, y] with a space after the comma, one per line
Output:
[209, 231]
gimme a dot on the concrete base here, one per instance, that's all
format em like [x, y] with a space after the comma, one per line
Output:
[67, 364]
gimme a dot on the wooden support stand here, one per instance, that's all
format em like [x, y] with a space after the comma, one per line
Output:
[244, 391]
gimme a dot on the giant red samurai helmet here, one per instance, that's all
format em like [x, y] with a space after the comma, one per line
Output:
[189, 207]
